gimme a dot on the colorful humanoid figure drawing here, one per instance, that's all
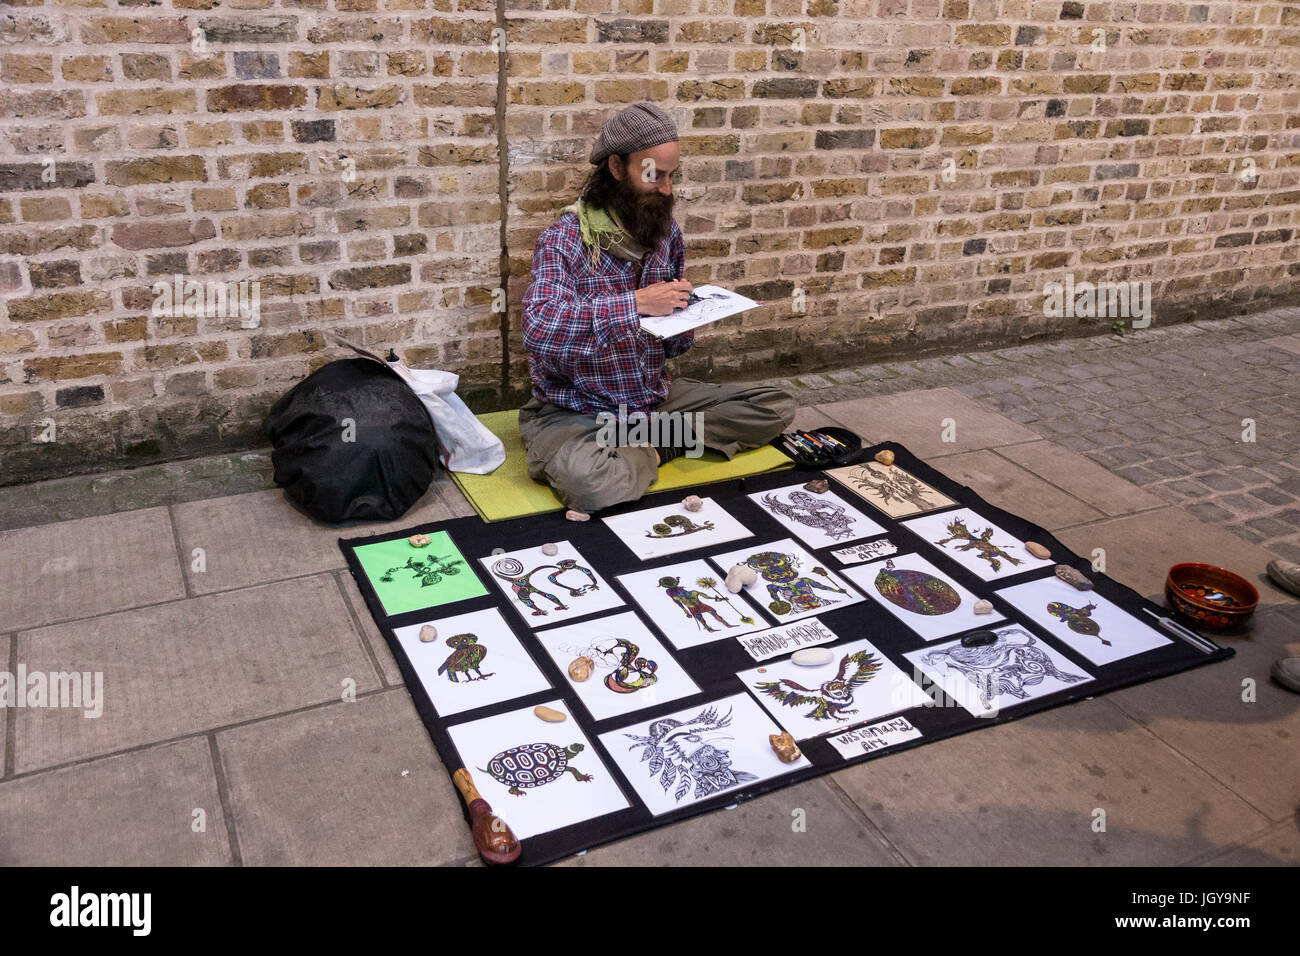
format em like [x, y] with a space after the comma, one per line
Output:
[682, 524]
[511, 571]
[428, 571]
[1007, 666]
[1077, 619]
[833, 698]
[693, 602]
[467, 655]
[684, 756]
[916, 591]
[829, 517]
[789, 590]
[981, 542]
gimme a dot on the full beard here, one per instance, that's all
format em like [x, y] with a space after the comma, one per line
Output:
[648, 217]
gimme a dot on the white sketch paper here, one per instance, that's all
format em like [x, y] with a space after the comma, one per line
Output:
[715, 303]
[912, 589]
[896, 492]
[537, 776]
[857, 553]
[545, 589]
[791, 583]
[1017, 668]
[976, 543]
[689, 604]
[816, 519]
[786, 638]
[669, 529]
[475, 660]
[858, 684]
[632, 669]
[1095, 627]
[873, 737]
[697, 753]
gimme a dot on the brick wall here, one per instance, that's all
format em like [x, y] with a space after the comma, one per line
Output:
[887, 176]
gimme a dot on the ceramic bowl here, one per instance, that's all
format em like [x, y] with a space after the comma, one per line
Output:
[1212, 597]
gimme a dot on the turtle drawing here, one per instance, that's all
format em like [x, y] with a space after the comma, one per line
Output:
[532, 765]
[916, 591]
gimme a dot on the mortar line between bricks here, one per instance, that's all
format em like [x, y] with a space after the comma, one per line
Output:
[503, 195]
[11, 719]
[360, 630]
[855, 809]
[180, 552]
[223, 796]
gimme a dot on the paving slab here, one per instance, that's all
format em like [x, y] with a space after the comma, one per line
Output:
[809, 417]
[1280, 846]
[1140, 550]
[260, 537]
[1025, 793]
[1012, 488]
[919, 419]
[77, 569]
[1289, 342]
[133, 809]
[1081, 477]
[348, 784]
[760, 832]
[6, 664]
[193, 665]
[392, 674]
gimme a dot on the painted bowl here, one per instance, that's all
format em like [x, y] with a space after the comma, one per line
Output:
[1212, 597]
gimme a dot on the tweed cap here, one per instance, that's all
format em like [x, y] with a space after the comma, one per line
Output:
[635, 128]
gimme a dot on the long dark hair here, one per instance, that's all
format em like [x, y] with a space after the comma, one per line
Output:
[601, 187]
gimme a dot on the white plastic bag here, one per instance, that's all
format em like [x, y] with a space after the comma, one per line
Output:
[467, 445]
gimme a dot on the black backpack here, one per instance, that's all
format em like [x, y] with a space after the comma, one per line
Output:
[351, 442]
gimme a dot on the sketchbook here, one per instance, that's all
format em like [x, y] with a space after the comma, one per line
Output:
[714, 303]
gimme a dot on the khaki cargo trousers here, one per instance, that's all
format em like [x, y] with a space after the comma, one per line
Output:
[565, 449]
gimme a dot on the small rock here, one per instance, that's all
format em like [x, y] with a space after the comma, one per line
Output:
[549, 715]
[580, 668]
[983, 607]
[885, 457]
[550, 550]
[785, 747]
[419, 540]
[428, 633]
[692, 503]
[1073, 578]
[817, 486]
[812, 656]
[748, 575]
[577, 515]
[1037, 550]
[739, 577]
[979, 638]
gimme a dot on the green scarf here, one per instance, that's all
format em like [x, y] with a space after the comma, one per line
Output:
[602, 232]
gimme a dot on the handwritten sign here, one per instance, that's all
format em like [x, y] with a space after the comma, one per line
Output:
[857, 553]
[873, 737]
[786, 638]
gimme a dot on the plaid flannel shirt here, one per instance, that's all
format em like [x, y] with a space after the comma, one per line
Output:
[586, 348]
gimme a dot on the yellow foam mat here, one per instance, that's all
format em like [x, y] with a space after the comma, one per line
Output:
[509, 493]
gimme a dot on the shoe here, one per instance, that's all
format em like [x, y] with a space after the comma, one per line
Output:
[1285, 574]
[1286, 671]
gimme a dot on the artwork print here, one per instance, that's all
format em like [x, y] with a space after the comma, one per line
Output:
[701, 752]
[816, 519]
[896, 492]
[976, 544]
[407, 578]
[1018, 667]
[791, 583]
[537, 776]
[475, 660]
[670, 528]
[858, 684]
[632, 670]
[545, 589]
[928, 601]
[689, 604]
[1096, 628]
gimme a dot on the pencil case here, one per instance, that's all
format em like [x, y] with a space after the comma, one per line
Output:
[827, 447]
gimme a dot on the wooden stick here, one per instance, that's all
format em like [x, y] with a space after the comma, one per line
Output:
[493, 839]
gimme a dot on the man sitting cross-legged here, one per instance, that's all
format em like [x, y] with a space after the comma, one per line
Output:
[613, 256]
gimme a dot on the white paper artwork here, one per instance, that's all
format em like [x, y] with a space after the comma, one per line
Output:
[791, 583]
[537, 776]
[1099, 630]
[697, 753]
[632, 669]
[976, 544]
[787, 638]
[546, 589]
[714, 303]
[474, 661]
[690, 605]
[869, 739]
[912, 589]
[858, 684]
[857, 553]
[669, 529]
[1016, 668]
[896, 492]
[816, 519]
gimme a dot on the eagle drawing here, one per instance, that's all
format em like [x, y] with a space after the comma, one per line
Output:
[833, 698]
[467, 656]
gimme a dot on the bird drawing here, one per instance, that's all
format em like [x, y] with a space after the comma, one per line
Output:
[833, 698]
[467, 655]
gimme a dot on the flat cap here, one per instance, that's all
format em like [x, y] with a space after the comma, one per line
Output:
[635, 128]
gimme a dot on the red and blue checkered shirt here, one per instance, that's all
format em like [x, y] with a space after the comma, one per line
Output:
[586, 349]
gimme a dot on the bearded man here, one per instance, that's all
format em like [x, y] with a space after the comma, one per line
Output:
[612, 257]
